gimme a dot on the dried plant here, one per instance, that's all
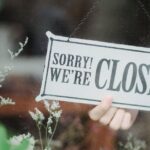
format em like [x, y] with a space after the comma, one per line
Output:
[16, 53]
[6, 101]
[5, 71]
[132, 143]
[20, 142]
[27, 142]
[54, 112]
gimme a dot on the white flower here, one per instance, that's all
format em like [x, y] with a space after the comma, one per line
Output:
[133, 143]
[8, 68]
[50, 130]
[50, 121]
[47, 105]
[5, 73]
[16, 140]
[55, 105]
[47, 148]
[22, 45]
[33, 115]
[37, 116]
[6, 101]
[57, 114]
[40, 114]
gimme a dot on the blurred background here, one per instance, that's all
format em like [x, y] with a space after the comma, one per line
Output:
[119, 21]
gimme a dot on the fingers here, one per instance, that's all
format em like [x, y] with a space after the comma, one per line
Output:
[123, 119]
[116, 122]
[119, 118]
[107, 117]
[126, 123]
[129, 119]
[116, 118]
[101, 109]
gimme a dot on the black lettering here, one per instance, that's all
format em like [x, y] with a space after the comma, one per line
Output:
[65, 78]
[98, 71]
[113, 74]
[70, 60]
[55, 61]
[62, 59]
[78, 61]
[86, 61]
[55, 73]
[142, 78]
[86, 80]
[133, 66]
[78, 75]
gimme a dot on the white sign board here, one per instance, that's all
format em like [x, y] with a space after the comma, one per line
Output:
[84, 71]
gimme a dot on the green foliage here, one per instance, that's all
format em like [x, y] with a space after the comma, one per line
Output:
[5, 144]
[3, 139]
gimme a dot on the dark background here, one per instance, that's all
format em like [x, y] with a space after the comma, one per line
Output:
[119, 21]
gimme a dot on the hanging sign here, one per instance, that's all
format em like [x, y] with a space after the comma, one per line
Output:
[84, 71]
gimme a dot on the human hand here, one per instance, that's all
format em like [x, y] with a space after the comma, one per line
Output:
[116, 118]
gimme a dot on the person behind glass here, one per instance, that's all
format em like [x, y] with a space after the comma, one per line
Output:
[105, 26]
[115, 118]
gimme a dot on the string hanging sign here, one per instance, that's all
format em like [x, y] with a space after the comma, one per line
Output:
[83, 71]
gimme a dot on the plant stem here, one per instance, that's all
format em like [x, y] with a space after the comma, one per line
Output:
[50, 140]
[40, 136]
[54, 129]
[46, 134]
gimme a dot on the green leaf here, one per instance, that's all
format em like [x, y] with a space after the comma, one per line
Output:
[3, 139]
